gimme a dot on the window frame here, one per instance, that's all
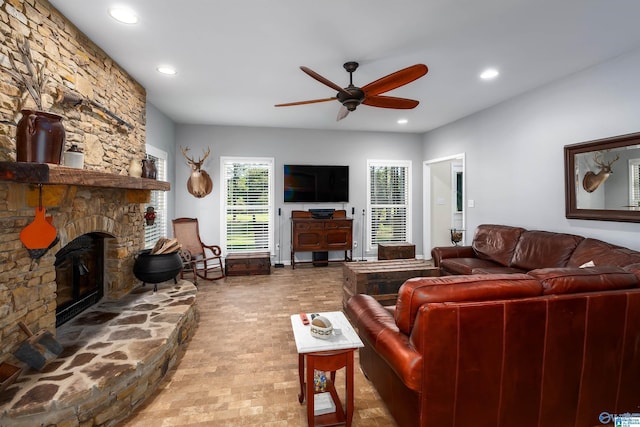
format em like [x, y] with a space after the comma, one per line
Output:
[408, 205]
[151, 235]
[270, 164]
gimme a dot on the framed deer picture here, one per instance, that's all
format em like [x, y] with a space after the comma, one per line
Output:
[602, 179]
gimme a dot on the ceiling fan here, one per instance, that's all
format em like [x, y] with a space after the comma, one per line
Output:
[352, 96]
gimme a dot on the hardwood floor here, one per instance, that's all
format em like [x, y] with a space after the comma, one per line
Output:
[241, 367]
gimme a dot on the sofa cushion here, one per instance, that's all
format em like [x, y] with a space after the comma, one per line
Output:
[496, 242]
[633, 268]
[466, 265]
[497, 270]
[544, 249]
[590, 279]
[420, 290]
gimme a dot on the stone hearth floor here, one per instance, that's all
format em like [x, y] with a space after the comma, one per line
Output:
[131, 340]
[241, 366]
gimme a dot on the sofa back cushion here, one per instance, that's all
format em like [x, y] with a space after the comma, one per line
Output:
[496, 242]
[602, 253]
[420, 290]
[590, 279]
[555, 360]
[544, 249]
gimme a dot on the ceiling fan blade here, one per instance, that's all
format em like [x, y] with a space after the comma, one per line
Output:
[324, 80]
[390, 102]
[311, 101]
[395, 80]
[342, 113]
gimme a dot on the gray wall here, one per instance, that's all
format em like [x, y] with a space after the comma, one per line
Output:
[293, 146]
[514, 156]
[161, 133]
[514, 151]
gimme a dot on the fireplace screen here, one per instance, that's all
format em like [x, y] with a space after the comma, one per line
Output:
[79, 276]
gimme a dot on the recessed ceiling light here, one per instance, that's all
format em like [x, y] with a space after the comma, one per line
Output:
[165, 69]
[489, 73]
[126, 16]
[402, 121]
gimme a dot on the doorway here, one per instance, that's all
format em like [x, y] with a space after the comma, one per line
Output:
[444, 201]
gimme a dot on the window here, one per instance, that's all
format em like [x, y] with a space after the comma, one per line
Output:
[388, 201]
[634, 182]
[158, 200]
[247, 223]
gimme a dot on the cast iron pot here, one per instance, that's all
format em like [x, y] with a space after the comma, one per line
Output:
[156, 268]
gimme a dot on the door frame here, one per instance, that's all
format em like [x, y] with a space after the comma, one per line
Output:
[426, 199]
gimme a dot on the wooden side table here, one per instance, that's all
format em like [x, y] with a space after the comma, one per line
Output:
[326, 355]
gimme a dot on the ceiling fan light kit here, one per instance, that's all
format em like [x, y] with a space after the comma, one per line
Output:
[352, 96]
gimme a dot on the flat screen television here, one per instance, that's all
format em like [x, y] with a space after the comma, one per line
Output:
[319, 184]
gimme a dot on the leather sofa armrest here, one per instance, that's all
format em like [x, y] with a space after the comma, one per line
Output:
[442, 252]
[377, 328]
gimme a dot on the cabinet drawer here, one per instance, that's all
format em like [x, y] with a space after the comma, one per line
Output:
[304, 226]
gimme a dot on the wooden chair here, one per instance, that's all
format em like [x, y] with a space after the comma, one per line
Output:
[203, 260]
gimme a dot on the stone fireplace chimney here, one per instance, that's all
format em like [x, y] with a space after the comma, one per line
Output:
[100, 199]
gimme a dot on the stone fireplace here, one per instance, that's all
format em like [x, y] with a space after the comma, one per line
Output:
[119, 339]
[117, 350]
[100, 228]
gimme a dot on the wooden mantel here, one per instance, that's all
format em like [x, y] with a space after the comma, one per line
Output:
[45, 173]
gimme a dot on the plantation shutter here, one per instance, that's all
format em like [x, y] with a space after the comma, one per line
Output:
[389, 202]
[248, 206]
[158, 200]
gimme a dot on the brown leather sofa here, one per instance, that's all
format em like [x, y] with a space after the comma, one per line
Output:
[506, 249]
[554, 347]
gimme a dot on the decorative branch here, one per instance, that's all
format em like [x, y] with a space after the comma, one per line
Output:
[35, 81]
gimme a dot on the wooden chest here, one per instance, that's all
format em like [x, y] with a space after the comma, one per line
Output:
[382, 279]
[247, 264]
[396, 250]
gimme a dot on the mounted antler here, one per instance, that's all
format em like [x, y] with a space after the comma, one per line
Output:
[199, 183]
[591, 180]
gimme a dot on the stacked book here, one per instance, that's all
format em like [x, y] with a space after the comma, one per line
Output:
[323, 404]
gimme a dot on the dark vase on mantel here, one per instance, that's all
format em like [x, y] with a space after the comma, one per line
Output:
[149, 169]
[39, 137]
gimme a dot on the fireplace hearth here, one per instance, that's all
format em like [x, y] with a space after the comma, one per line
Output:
[115, 356]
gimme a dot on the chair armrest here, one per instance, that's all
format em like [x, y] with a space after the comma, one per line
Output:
[215, 249]
[443, 252]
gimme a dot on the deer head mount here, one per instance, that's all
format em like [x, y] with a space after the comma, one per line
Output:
[591, 180]
[199, 183]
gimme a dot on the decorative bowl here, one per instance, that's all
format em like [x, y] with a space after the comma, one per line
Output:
[321, 328]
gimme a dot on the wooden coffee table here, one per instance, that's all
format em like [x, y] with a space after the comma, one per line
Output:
[382, 279]
[326, 355]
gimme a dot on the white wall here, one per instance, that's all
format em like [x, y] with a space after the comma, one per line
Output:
[514, 151]
[293, 146]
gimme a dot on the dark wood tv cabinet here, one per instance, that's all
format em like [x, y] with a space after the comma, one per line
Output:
[310, 234]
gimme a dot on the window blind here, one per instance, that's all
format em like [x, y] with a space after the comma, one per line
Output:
[248, 204]
[388, 202]
[634, 182]
[159, 202]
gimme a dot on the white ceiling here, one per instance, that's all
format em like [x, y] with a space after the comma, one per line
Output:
[237, 58]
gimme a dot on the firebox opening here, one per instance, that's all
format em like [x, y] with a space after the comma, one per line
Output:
[79, 276]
